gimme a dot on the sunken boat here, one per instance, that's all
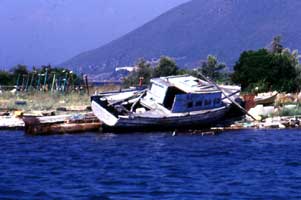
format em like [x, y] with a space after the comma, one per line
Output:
[174, 102]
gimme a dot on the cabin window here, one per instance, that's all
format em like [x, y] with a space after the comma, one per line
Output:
[170, 96]
[199, 103]
[190, 104]
[208, 102]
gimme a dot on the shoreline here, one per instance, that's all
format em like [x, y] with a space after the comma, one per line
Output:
[44, 104]
[86, 121]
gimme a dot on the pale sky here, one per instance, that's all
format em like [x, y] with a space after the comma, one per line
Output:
[36, 32]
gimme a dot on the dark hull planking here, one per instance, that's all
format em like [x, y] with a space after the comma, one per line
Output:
[200, 121]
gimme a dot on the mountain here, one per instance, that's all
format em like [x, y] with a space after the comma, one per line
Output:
[195, 29]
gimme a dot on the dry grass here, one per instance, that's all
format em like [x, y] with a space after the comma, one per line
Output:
[47, 100]
[41, 101]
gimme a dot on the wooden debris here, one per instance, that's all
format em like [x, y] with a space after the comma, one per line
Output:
[207, 132]
[4, 113]
[76, 108]
[38, 113]
[61, 124]
[11, 122]
[20, 103]
[47, 129]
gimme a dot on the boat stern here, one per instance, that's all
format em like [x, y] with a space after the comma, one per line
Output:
[103, 114]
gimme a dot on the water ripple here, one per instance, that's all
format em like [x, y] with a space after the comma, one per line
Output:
[234, 165]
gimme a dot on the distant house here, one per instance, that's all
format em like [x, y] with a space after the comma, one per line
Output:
[126, 68]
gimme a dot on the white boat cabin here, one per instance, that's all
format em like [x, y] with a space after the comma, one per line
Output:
[185, 94]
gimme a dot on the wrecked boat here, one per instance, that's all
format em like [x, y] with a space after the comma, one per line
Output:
[266, 98]
[172, 102]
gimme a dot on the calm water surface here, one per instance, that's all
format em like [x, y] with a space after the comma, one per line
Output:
[233, 165]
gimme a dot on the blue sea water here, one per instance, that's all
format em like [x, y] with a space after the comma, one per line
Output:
[233, 165]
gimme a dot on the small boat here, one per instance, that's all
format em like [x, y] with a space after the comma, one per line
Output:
[266, 98]
[61, 124]
[172, 102]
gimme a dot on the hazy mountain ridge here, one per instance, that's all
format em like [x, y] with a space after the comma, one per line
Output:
[193, 30]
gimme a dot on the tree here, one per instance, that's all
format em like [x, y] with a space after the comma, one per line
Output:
[5, 78]
[265, 70]
[19, 69]
[142, 72]
[18, 73]
[166, 67]
[276, 46]
[292, 55]
[212, 68]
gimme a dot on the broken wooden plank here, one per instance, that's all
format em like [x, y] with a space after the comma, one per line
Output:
[61, 124]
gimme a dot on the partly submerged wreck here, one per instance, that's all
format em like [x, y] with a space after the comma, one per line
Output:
[170, 103]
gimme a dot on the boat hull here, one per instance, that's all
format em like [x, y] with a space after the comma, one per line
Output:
[200, 119]
[186, 122]
[266, 100]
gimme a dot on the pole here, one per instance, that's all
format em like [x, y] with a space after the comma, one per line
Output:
[65, 82]
[53, 81]
[39, 81]
[18, 80]
[59, 84]
[23, 81]
[87, 85]
[31, 80]
[27, 82]
[45, 79]
[70, 82]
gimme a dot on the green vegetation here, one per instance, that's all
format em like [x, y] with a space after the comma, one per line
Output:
[268, 70]
[168, 67]
[275, 68]
[5, 78]
[45, 78]
[262, 70]
[142, 74]
[144, 71]
[213, 69]
[290, 112]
